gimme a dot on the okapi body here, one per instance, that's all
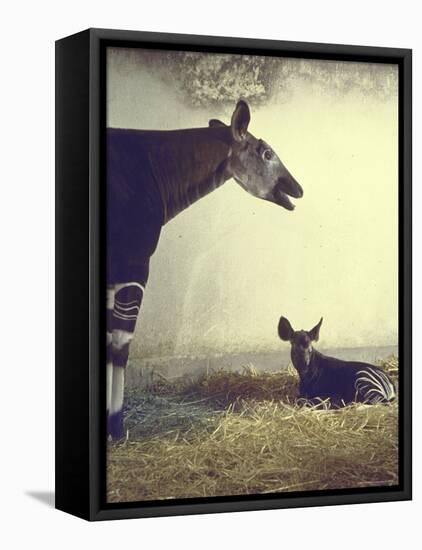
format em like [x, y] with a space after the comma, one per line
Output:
[151, 177]
[322, 377]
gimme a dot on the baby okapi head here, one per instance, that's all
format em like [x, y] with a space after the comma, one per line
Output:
[301, 341]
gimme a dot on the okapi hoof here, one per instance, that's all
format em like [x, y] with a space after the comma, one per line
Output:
[115, 426]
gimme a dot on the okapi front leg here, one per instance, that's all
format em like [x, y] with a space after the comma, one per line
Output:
[109, 353]
[127, 303]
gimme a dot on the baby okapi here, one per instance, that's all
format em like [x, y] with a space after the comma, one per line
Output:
[323, 377]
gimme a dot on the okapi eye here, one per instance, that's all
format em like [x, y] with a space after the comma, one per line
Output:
[267, 154]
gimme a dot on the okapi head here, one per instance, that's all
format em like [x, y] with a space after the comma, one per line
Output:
[255, 166]
[301, 341]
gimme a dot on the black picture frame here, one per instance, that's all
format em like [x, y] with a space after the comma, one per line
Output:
[80, 250]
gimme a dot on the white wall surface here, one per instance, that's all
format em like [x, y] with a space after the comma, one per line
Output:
[27, 260]
[229, 265]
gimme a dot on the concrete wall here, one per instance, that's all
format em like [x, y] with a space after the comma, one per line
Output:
[226, 268]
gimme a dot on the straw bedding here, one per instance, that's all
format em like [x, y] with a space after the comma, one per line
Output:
[231, 433]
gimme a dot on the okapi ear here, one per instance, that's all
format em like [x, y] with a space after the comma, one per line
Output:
[215, 123]
[240, 120]
[314, 333]
[285, 330]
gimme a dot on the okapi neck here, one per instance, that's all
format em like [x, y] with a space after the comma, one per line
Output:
[303, 368]
[188, 165]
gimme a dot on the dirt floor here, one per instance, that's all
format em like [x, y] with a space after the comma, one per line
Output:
[232, 433]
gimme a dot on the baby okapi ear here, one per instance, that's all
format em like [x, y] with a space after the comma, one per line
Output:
[314, 333]
[240, 120]
[285, 330]
[215, 123]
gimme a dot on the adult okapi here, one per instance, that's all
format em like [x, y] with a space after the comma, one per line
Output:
[151, 177]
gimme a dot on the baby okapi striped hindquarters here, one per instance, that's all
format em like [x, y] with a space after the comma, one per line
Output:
[151, 177]
[323, 377]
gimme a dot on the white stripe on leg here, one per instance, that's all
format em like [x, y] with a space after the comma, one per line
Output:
[109, 383]
[109, 371]
[121, 338]
[110, 297]
[109, 338]
[109, 367]
[118, 386]
[127, 285]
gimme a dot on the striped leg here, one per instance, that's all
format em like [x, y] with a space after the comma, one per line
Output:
[127, 303]
[374, 386]
[109, 374]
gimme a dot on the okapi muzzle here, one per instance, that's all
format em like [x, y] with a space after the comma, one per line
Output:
[286, 186]
[327, 378]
